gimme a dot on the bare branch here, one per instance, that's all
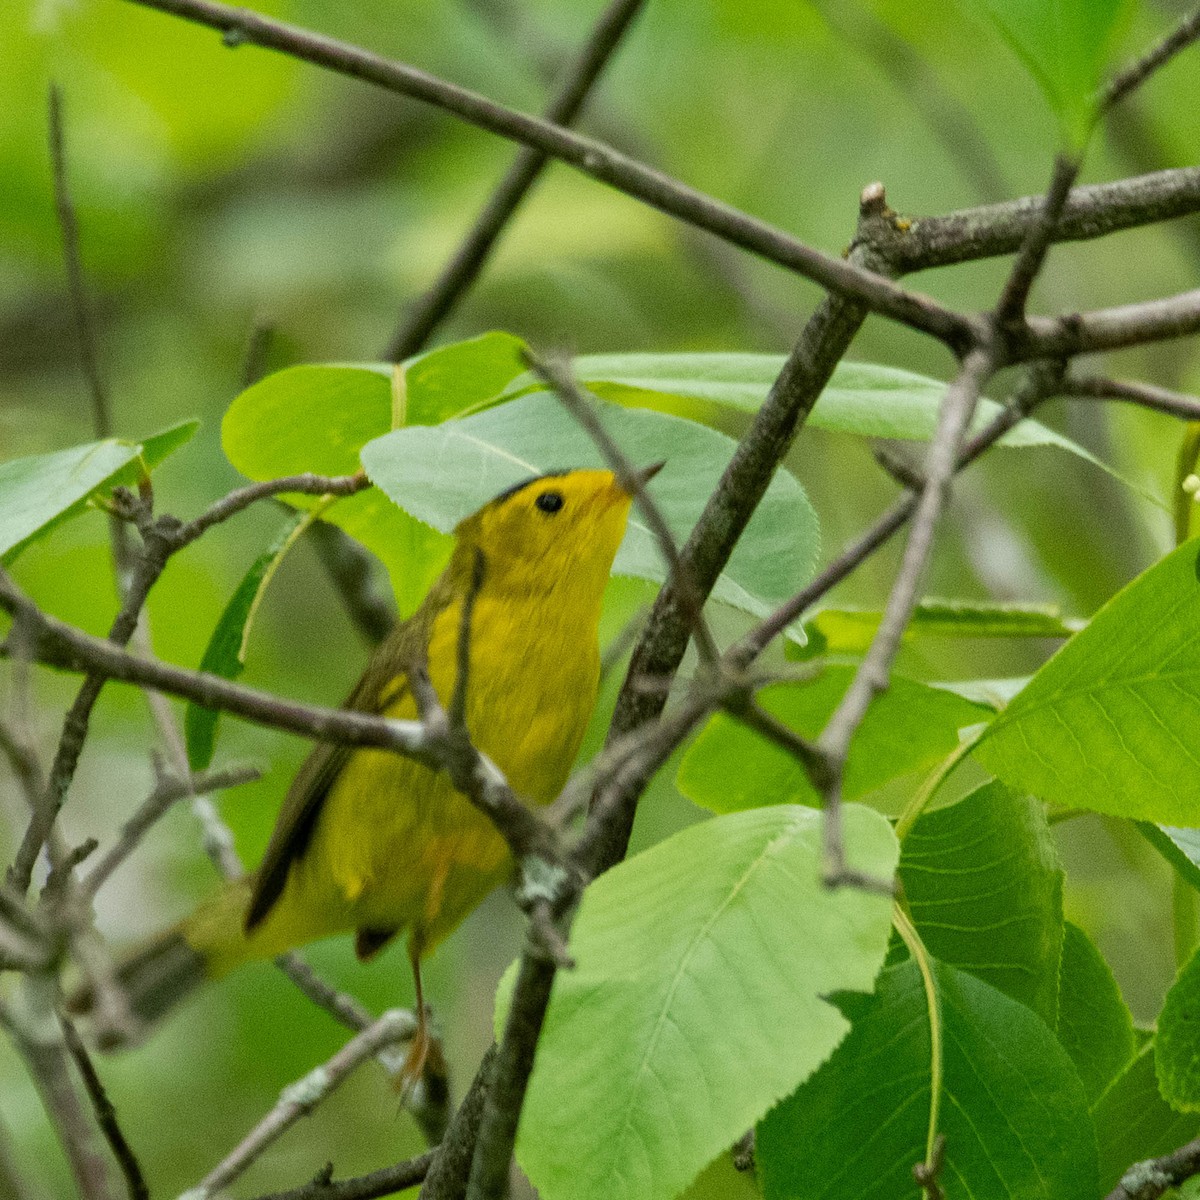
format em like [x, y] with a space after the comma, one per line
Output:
[1107, 328]
[1133, 76]
[872, 675]
[995, 229]
[471, 256]
[106, 1115]
[1175, 404]
[300, 1098]
[1010, 309]
[230, 505]
[387, 1181]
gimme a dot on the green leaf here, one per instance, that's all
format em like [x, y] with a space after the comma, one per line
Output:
[1177, 1046]
[1064, 45]
[318, 418]
[1134, 1123]
[36, 493]
[984, 887]
[1109, 723]
[850, 631]
[1094, 1026]
[442, 474]
[453, 380]
[698, 1000]
[225, 654]
[910, 727]
[1013, 1110]
[865, 399]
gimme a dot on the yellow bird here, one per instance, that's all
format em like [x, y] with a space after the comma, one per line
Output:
[370, 842]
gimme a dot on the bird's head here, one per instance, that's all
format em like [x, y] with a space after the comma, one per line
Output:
[555, 531]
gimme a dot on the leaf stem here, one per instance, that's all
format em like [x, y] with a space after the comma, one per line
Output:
[912, 939]
[916, 806]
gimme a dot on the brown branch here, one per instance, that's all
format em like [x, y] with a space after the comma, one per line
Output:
[451, 1165]
[233, 503]
[1010, 308]
[1174, 404]
[1107, 328]
[471, 256]
[1091, 212]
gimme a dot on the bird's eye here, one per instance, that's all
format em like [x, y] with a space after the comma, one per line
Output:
[549, 502]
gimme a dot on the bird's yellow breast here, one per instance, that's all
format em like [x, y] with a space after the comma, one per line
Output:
[396, 846]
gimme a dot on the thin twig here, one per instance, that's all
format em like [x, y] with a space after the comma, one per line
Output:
[106, 1115]
[167, 791]
[1133, 76]
[387, 1181]
[1175, 404]
[1010, 308]
[80, 308]
[472, 254]
[230, 505]
[300, 1098]
[872, 675]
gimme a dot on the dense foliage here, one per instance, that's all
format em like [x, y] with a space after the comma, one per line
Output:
[1020, 1018]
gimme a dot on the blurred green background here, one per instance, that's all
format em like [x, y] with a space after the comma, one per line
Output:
[220, 189]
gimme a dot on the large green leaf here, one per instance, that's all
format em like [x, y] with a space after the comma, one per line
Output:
[318, 418]
[441, 474]
[36, 493]
[1109, 723]
[1013, 1110]
[984, 886]
[1134, 1123]
[1063, 44]
[1177, 1046]
[866, 399]
[1094, 1026]
[698, 1000]
[911, 727]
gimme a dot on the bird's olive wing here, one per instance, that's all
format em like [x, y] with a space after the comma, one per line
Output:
[383, 683]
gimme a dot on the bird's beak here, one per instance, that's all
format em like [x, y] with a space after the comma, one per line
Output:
[643, 477]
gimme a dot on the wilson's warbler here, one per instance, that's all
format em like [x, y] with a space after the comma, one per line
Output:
[370, 842]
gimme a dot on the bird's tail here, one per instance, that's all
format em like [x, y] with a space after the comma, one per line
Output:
[162, 971]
